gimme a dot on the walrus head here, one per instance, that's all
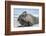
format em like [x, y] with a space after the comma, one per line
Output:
[22, 16]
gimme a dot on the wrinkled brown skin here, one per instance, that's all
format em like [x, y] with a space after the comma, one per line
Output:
[27, 19]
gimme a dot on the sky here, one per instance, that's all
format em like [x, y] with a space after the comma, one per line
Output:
[18, 11]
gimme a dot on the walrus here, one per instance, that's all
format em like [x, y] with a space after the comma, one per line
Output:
[27, 19]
